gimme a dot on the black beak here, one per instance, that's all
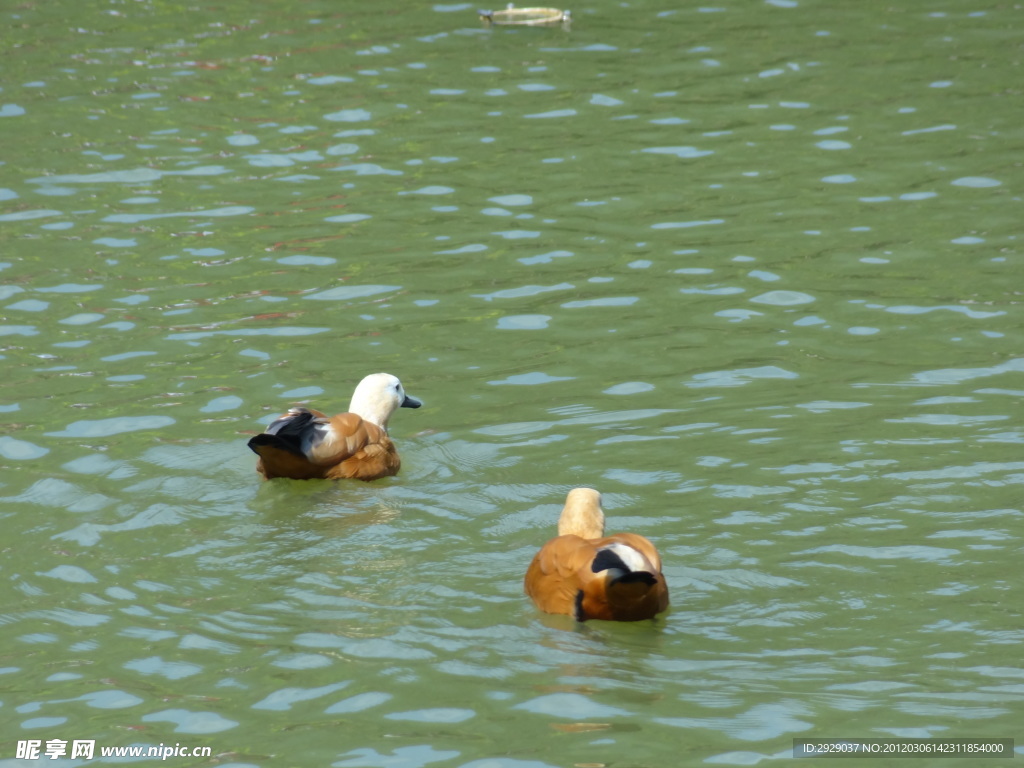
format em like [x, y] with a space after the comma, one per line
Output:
[410, 402]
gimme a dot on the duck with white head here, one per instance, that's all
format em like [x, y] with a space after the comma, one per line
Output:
[304, 444]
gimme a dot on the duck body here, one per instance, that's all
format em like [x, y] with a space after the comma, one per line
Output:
[586, 575]
[305, 444]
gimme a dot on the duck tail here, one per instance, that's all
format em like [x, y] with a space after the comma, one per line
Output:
[290, 433]
[609, 559]
[628, 587]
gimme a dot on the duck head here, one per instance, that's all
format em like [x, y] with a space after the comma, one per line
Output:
[377, 396]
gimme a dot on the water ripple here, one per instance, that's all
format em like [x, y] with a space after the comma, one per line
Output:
[283, 699]
[113, 426]
[20, 450]
[134, 218]
[134, 176]
[187, 721]
[351, 292]
[905, 552]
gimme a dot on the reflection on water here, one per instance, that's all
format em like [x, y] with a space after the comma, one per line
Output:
[748, 271]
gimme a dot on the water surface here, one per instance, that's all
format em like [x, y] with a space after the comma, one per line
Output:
[749, 269]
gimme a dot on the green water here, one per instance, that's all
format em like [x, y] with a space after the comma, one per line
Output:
[751, 270]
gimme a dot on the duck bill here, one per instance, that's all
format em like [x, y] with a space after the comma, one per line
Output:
[410, 402]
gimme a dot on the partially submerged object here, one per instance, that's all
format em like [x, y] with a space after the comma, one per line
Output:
[304, 444]
[530, 17]
[587, 575]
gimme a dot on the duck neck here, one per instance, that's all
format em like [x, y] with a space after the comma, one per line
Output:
[582, 515]
[371, 409]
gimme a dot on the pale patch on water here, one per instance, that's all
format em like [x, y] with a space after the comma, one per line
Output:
[113, 426]
[524, 322]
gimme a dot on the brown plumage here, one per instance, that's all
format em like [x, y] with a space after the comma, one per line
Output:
[587, 575]
[304, 444]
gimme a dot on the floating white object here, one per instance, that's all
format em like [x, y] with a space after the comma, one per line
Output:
[526, 16]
